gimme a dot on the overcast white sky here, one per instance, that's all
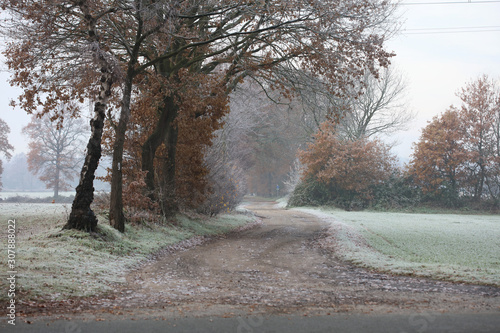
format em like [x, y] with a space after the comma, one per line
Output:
[436, 61]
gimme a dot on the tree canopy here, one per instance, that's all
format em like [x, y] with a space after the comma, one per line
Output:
[63, 50]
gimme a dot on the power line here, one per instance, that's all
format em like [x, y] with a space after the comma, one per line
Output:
[422, 31]
[455, 28]
[448, 2]
[448, 32]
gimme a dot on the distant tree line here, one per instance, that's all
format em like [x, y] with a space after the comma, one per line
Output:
[17, 177]
[455, 163]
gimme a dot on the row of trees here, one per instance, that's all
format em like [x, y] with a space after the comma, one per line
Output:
[455, 161]
[160, 74]
[256, 146]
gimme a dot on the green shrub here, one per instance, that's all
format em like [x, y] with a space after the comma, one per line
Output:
[395, 193]
[310, 192]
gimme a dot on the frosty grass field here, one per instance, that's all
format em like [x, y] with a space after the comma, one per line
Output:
[45, 194]
[444, 246]
[56, 263]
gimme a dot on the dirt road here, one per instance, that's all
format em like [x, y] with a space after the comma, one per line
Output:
[279, 268]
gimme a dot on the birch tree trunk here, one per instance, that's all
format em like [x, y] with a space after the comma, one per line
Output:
[82, 217]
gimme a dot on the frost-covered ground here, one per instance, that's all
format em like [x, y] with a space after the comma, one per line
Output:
[34, 195]
[25, 210]
[446, 246]
[56, 264]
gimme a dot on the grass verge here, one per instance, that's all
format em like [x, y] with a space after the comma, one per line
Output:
[56, 264]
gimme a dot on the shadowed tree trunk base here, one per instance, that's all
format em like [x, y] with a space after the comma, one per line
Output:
[82, 219]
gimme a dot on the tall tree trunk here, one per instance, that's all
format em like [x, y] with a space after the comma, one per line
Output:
[169, 202]
[482, 176]
[116, 216]
[165, 132]
[168, 113]
[82, 217]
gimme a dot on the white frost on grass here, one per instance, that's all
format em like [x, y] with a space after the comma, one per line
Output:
[20, 210]
[34, 195]
[59, 263]
[445, 246]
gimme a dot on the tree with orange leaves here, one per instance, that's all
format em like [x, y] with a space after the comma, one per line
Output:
[348, 168]
[457, 154]
[439, 158]
[196, 121]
